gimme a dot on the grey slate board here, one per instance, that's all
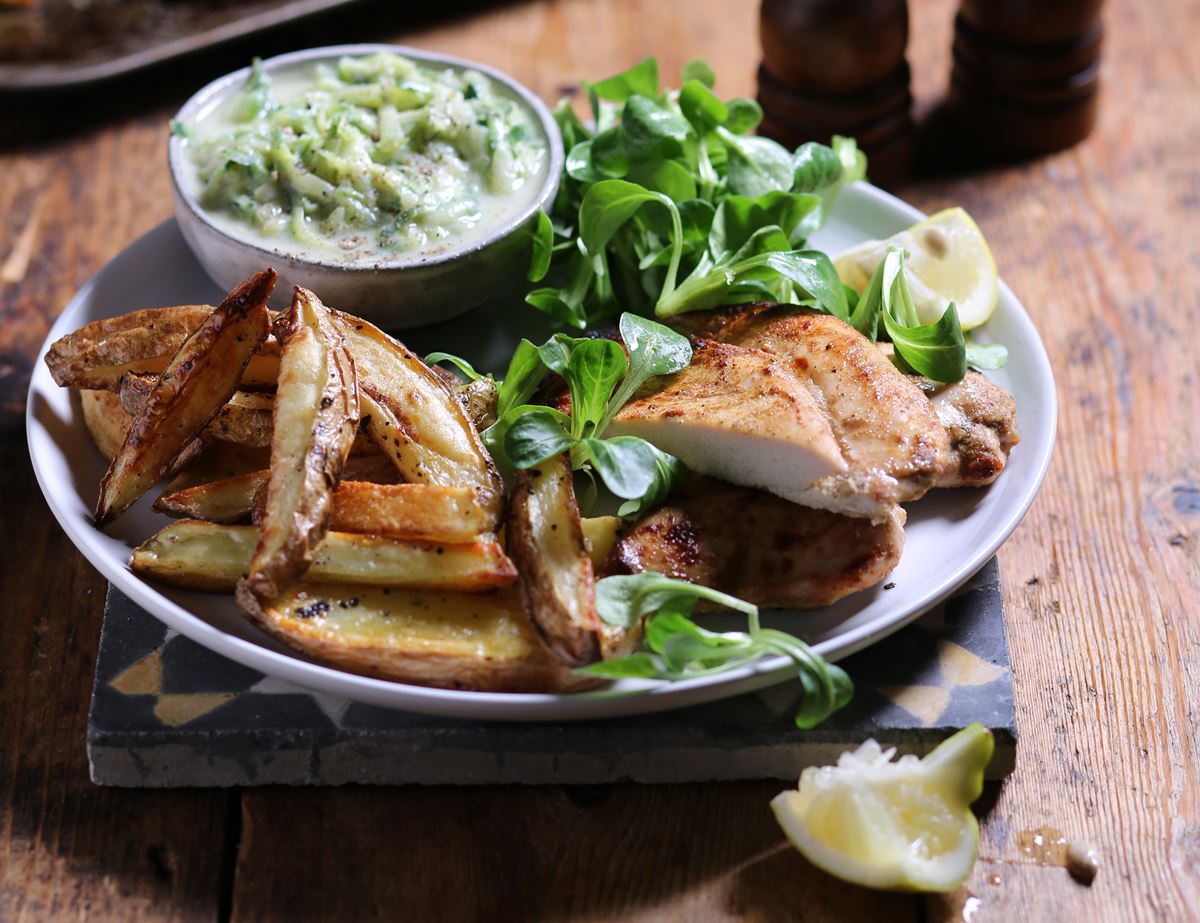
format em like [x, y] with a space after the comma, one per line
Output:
[167, 712]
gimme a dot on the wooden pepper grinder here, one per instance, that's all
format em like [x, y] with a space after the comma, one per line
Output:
[1025, 78]
[837, 67]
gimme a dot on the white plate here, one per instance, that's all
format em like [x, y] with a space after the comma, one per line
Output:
[950, 533]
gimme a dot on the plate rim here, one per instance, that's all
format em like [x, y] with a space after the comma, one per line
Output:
[509, 706]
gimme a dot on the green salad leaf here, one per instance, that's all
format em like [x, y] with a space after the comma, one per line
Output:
[535, 435]
[543, 247]
[601, 378]
[676, 648]
[641, 79]
[698, 69]
[938, 350]
[668, 185]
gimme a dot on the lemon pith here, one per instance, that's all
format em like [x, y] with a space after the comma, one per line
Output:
[896, 824]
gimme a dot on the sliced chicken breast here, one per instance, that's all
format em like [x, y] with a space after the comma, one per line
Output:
[760, 548]
[897, 440]
[736, 414]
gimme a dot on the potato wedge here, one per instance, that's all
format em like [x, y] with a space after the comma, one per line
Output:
[218, 460]
[475, 641]
[414, 418]
[151, 333]
[424, 511]
[227, 500]
[200, 378]
[478, 398]
[557, 579]
[316, 418]
[412, 511]
[245, 420]
[371, 466]
[106, 420]
[600, 534]
[108, 424]
[99, 354]
[209, 556]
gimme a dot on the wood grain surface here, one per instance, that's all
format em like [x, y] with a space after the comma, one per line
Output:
[1101, 580]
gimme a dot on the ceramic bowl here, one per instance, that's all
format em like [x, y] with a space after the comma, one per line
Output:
[407, 291]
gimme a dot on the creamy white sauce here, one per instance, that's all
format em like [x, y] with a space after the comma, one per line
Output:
[461, 200]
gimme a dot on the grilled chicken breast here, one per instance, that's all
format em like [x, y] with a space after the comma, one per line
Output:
[981, 420]
[758, 547]
[738, 415]
[897, 440]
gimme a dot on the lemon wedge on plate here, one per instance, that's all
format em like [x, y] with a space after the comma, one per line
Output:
[948, 260]
[902, 825]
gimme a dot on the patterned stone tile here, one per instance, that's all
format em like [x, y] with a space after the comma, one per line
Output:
[167, 712]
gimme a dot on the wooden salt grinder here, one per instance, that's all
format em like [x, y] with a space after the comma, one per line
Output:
[1025, 77]
[837, 67]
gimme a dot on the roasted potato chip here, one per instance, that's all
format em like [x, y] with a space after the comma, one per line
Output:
[152, 333]
[414, 418]
[200, 378]
[476, 641]
[316, 418]
[557, 579]
[210, 556]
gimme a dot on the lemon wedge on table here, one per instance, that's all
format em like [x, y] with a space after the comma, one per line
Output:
[948, 260]
[904, 825]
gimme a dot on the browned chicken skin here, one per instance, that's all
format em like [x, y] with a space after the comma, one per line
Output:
[759, 547]
[898, 441]
[981, 419]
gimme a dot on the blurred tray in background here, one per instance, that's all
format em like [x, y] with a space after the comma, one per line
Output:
[48, 44]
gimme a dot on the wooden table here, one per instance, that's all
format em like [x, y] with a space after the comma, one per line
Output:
[1101, 580]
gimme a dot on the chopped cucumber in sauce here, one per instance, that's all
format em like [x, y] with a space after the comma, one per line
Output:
[372, 157]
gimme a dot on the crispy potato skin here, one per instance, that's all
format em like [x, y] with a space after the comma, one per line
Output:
[557, 581]
[447, 640]
[316, 418]
[137, 336]
[98, 355]
[758, 547]
[227, 500]
[203, 375]
[412, 415]
[244, 420]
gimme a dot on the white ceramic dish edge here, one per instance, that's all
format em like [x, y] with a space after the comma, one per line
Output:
[512, 706]
[407, 291]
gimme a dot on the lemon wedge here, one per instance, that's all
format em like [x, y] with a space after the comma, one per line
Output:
[948, 260]
[902, 825]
